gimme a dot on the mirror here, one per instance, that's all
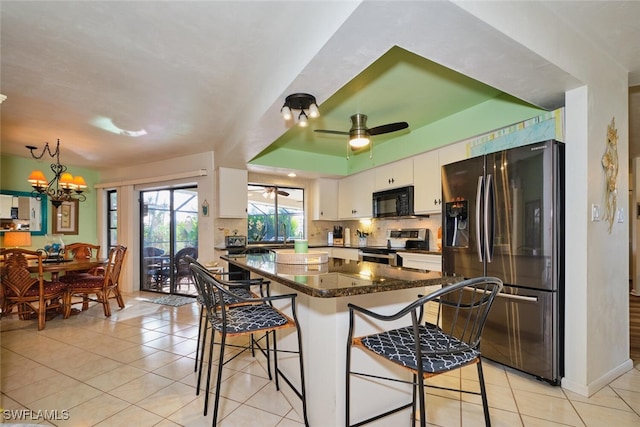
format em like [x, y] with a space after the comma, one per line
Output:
[18, 207]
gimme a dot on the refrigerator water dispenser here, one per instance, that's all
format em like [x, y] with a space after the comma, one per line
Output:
[456, 231]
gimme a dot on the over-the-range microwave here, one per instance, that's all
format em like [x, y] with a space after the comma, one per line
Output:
[393, 203]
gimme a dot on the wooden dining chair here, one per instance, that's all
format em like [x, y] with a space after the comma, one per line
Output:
[82, 251]
[28, 293]
[101, 286]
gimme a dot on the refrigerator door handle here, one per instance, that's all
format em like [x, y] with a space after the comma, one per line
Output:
[478, 205]
[517, 297]
[488, 219]
[507, 296]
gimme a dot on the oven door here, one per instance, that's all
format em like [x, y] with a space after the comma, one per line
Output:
[388, 258]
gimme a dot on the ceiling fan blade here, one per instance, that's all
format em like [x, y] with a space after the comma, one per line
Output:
[283, 193]
[389, 127]
[337, 132]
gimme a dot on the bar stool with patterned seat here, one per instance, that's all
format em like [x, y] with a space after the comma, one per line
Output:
[254, 316]
[425, 348]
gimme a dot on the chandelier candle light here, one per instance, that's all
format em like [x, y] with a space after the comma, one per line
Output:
[63, 187]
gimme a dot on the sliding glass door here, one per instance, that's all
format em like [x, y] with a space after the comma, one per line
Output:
[169, 232]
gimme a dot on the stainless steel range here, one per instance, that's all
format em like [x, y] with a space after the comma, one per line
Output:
[396, 240]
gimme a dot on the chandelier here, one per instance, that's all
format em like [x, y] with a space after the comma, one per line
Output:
[303, 102]
[63, 187]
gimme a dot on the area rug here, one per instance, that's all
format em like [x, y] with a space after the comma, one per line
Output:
[173, 300]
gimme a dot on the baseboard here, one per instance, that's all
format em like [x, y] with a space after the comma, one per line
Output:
[588, 390]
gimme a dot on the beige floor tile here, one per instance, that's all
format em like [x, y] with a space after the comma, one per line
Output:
[144, 336]
[605, 397]
[241, 386]
[97, 367]
[131, 416]
[521, 381]
[628, 381]
[42, 388]
[546, 407]
[168, 400]
[93, 411]
[529, 421]
[473, 415]
[141, 387]
[631, 398]
[155, 360]
[249, 416]
[133, 354]
[446, 381]
[285, 422]
[442, 411]
[14, 378]
[270, 400]
[116, 377]
[67, 398]
[84, 371]
[177, 369]
[192, 414]
[184, 348]
[594, 415]
[499, 397]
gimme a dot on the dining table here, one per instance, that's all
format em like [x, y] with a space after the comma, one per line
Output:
[55, 267]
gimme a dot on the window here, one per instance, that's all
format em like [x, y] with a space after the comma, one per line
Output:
[275, 214]
[112, 218]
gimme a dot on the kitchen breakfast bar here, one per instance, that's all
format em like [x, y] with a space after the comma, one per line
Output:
[323, 292]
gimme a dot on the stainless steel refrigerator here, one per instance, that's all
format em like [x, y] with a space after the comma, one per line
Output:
[503, 216]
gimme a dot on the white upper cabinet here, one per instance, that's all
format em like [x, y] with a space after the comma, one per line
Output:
[426, 183]
[232, 193]
[355, 195]
[325, 199]
[452, 153]
[427, 179]
[393, 175]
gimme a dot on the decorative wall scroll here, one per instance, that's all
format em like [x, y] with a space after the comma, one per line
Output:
[610, 165]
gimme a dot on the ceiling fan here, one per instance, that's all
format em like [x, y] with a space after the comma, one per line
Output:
[270, 192]
[359, 133]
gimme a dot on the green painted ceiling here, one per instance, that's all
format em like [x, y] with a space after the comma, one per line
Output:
[440, 105]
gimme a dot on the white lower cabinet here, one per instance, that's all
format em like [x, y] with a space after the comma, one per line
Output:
[421, 261]
[344, 253]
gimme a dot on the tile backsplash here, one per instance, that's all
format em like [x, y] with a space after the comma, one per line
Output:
[377, 229]
[317, 231]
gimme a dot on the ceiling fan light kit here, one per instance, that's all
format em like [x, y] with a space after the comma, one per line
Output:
[359, 133]
[303, 102]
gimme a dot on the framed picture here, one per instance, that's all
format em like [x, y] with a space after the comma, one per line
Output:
[65, 218]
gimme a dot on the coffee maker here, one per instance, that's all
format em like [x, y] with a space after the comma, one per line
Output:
[337, 236]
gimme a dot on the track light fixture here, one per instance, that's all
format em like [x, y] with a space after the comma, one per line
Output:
[300, 101]
[63, 187]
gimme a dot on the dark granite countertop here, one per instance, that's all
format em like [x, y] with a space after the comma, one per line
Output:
[338, 277]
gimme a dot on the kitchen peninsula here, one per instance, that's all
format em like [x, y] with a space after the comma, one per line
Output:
[324, 290]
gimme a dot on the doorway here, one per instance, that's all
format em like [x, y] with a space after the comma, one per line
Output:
[169, 232]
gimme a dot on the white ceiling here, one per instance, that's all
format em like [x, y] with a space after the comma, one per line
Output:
[212, 75]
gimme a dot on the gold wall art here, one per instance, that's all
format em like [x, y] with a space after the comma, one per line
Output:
[610, 166]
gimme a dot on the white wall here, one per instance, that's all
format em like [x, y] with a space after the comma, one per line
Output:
[597, 338]
[131, 180]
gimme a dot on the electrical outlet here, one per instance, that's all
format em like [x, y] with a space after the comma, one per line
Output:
[620, 215]
[595, 213]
